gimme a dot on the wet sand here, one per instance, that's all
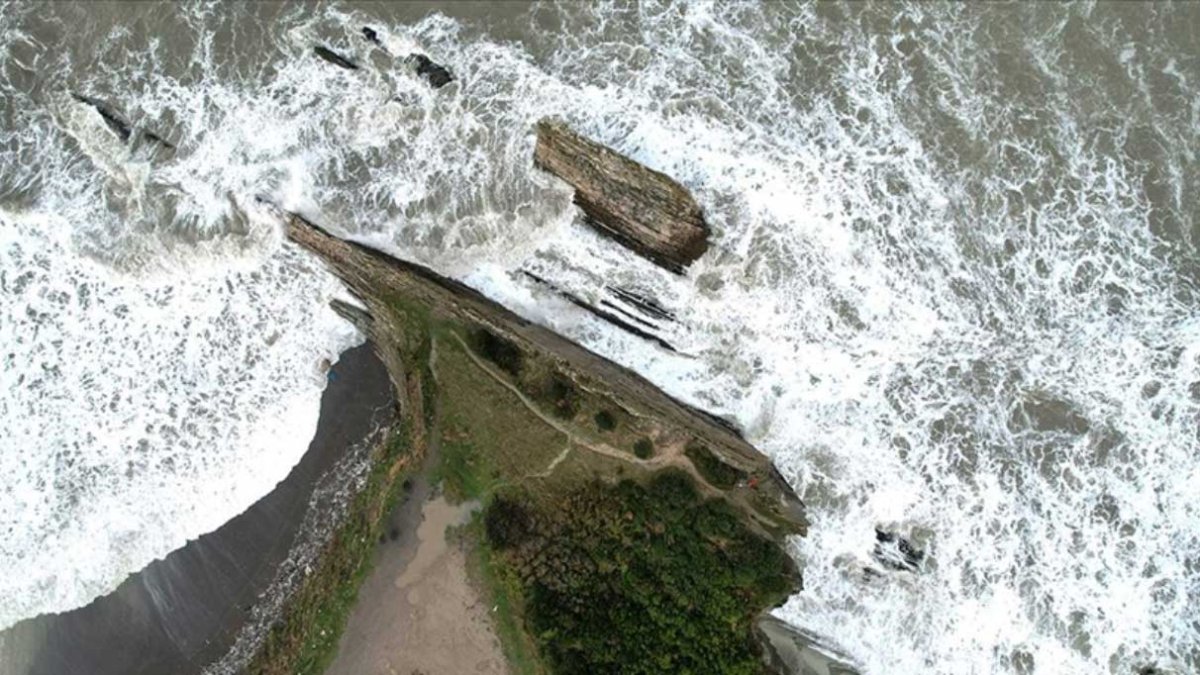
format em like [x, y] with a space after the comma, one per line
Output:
[183, 612]
[417, 612]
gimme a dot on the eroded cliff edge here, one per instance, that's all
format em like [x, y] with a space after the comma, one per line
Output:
[540, 421]
[384, 283]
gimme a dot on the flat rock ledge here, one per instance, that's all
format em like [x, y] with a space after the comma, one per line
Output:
[643, 209]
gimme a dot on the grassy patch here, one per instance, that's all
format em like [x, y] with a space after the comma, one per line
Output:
[465, 473]
[489, 438]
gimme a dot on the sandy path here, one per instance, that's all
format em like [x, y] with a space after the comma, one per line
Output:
[417, 612]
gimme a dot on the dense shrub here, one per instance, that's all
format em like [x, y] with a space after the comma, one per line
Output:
[643, 448]
[605, 421]
[507, 522]
[500, 351]
[632, 579]
[560, 393]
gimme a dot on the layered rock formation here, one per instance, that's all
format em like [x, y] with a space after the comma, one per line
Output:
[643, 209]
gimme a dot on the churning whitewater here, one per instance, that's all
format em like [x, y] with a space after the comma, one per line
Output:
[952, 292]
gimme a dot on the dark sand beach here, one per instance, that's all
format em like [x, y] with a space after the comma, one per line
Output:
[183, 612]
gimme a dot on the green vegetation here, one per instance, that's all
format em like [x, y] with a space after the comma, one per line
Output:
[499, 351]
[304, 640]
[537, 379]
[605, 421]
[503, 590]
[590, 574]
[639, 579]
[716, 472]
[559, 392]
[488, 437]
[595, 563]
[464, 472]
[586, 574]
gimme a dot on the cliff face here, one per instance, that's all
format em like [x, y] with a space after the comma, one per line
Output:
[583, 468]
[643, 209]
[715, 453]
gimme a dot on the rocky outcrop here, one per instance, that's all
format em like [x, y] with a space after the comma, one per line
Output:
[380, 281]
[370, 35]
[120, 126]
[435, 74]
[788, 650]
[897, 552]
[643, 209]
[333, 57]
[417, 318]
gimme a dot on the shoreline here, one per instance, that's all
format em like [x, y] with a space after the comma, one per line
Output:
[183, 612]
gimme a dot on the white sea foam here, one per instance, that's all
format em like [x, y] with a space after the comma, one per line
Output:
[916, 347]
[946, 293]
[143, 412]
[159, 376]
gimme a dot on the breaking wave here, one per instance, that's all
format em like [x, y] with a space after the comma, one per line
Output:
[952, 291]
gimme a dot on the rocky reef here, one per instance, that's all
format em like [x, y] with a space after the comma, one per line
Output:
[643, 209]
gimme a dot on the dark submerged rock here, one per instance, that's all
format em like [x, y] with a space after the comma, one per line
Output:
[155, 138]
[371, 36]
[644, 303]
[609, 316]
[335, 58]
[437, 75]
[896, 552]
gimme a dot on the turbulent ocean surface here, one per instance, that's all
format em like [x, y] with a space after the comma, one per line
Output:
[954, 289]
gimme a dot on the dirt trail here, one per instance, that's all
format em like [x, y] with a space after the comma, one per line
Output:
[667, 455]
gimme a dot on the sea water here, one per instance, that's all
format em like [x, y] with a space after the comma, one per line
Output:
[952, 288]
